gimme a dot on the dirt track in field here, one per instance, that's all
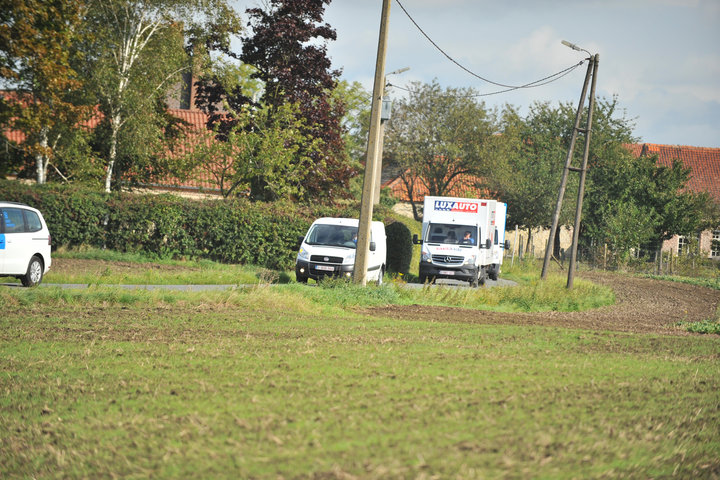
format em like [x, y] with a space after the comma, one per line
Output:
[642, 306]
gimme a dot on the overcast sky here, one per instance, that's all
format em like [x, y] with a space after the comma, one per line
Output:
[660, 57]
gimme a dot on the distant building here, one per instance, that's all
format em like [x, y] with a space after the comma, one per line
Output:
[704, 164]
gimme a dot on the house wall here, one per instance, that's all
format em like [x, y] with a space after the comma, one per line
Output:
[704, 243]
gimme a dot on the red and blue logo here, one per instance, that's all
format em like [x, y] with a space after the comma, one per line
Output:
[454, 206]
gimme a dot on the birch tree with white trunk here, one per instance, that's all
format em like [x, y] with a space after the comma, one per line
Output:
[137, 57]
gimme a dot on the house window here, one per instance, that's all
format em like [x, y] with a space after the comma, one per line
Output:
[688, 245]
[683, 244]
[715, 245]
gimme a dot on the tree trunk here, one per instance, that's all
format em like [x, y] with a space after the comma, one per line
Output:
[416, 215]
[114, 126]
[41, 158]
[529, 241]
[556, 242]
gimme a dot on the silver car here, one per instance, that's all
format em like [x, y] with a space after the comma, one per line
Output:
[24, 243]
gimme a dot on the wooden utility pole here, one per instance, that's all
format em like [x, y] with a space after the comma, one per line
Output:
[591, 73]
[372, 162]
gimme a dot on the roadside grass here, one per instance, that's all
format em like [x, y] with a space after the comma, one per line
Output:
[290, 382]
[115, 268]
[534, 296]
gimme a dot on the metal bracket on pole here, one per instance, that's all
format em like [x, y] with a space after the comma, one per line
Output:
[591, 73]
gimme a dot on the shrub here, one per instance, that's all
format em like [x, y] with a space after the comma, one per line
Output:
[168, 226]
[399, 247]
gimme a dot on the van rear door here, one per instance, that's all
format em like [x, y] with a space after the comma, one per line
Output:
[21, 239]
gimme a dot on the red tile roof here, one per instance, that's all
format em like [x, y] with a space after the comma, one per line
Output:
[200, 179]
[463, 186]
[704, 164]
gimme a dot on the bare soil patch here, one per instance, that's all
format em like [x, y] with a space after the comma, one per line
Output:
[642, 305]
[99, 267]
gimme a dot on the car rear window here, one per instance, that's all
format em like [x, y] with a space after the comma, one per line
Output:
[32, 221]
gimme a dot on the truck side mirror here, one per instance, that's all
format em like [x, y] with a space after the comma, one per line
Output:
[507, 245]
[416, 240]
[301, 239]
[488, 243]
[372, 246]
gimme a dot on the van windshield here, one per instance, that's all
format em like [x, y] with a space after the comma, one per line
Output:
[332, 235]
[452, 233]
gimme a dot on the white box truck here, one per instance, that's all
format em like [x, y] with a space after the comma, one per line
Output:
[499, 244]
[458, 239]
[328, 249]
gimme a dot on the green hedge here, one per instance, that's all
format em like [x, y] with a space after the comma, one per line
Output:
[169, 226]
[399, 247]
[231, 231]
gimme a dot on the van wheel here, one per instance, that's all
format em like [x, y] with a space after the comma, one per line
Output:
[34, 274]
[302, 279]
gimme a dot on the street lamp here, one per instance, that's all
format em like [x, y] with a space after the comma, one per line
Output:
[574, 47]
[395, 72]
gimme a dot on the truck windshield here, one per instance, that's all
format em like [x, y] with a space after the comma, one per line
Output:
[332, 235]
[452, 233]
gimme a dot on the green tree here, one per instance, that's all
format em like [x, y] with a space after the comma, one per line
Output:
[635, 201]
[435, 137]
[356, 121]
[37, 52]
[525, 164]
[135, 57]
[288, 49]
[260, 156]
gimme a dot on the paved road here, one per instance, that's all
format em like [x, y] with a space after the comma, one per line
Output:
[199, 288]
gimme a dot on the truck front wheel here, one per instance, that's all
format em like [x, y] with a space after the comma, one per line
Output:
[494, 270]
[480, 280]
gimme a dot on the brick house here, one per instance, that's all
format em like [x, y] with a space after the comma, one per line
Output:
[704, 164]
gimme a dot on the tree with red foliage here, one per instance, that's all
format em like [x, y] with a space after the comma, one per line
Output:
[294, 67]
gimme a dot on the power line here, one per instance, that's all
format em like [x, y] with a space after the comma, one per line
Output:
[536, 83]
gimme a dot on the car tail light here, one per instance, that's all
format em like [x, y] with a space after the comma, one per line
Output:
[49, 239]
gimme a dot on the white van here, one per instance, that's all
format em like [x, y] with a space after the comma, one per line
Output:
[24, 243]
[328, 249]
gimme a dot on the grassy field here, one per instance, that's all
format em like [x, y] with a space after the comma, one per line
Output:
[290, 381]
